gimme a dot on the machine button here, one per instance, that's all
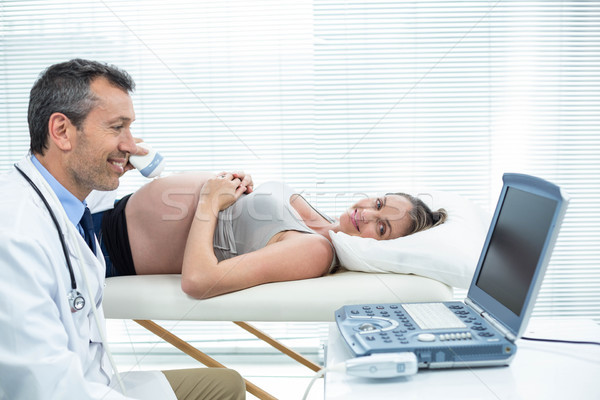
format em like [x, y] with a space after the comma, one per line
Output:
[366, 327]
[426, 337]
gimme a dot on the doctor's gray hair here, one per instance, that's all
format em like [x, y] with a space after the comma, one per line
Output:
[65, 88]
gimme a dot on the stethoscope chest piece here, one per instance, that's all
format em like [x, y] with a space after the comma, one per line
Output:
[76, 301]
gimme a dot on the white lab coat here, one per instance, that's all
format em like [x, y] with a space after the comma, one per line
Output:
[47, 352]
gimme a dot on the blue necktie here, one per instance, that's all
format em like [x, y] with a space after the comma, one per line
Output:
[88, 229]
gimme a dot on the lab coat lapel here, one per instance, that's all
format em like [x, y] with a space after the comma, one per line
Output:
[27, 166]
[95, 264]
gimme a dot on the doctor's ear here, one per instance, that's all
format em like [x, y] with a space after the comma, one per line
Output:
[61, 131]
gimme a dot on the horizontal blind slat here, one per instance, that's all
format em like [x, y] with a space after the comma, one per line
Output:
[346, 97]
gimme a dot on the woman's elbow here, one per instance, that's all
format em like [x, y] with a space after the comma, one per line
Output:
[189, 286]
[196, 286]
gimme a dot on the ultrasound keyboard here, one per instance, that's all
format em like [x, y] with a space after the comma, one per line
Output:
[439, 334]
[433, 316]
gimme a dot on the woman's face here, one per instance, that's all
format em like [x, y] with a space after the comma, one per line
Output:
[380, 218]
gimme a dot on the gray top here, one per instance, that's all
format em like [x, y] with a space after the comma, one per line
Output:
[254, 219]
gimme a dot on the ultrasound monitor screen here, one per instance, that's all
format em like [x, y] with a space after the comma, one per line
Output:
[515, 247]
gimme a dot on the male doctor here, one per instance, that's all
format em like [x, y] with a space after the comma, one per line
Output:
[51, 318]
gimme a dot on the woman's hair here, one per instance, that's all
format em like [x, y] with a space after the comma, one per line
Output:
[421, 216]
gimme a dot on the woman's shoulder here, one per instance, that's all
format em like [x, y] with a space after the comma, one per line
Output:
[321, 257]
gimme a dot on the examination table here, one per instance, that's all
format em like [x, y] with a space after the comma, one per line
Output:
[159, 297]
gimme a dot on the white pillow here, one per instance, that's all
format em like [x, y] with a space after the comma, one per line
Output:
[447, 253]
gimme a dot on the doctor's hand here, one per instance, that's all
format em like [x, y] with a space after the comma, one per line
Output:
[140, 152]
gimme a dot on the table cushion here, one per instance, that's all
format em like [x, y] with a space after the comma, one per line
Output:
[159, 297]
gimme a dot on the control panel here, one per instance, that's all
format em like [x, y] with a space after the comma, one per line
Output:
[438, 340]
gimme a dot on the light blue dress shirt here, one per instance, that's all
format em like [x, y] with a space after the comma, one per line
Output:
[72, 205]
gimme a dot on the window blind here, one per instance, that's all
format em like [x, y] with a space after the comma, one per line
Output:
[344, 99]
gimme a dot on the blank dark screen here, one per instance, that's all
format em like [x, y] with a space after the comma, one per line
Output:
[515, 247]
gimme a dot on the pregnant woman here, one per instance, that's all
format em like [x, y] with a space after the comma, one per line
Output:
[222, 235]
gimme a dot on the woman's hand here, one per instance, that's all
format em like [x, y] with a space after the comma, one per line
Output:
[220, 192]
[246, 180]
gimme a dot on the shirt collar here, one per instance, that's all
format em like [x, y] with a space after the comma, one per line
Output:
[72, 205]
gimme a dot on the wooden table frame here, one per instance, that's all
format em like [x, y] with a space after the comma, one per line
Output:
[211, 362]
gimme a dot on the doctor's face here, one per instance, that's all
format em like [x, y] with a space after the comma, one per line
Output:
[102, 146]
[380, 218]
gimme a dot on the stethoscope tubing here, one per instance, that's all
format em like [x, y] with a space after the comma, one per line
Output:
[55, 220]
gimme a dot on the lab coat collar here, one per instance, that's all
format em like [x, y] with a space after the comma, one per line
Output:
[72, 205]
[27, 166]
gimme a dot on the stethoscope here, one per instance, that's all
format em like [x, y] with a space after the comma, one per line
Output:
[76, 299]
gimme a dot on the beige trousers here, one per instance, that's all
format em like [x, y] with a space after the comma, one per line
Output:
[206, 384]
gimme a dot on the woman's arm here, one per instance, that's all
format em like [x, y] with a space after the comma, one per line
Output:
[289, 259]
[204, 276]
